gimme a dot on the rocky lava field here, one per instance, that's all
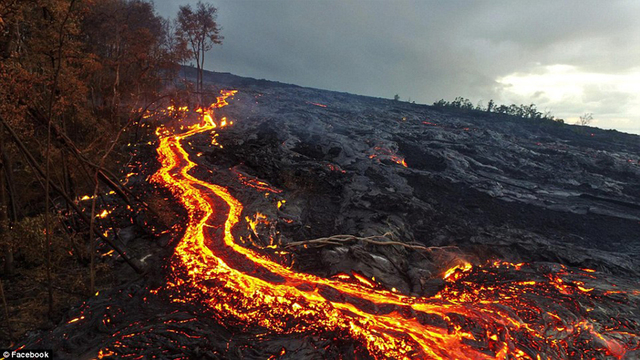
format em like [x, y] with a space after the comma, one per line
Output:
[442, 234]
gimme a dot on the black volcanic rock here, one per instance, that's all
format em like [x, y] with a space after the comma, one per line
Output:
[338, 159]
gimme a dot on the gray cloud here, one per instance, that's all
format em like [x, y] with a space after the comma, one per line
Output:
[425, 50]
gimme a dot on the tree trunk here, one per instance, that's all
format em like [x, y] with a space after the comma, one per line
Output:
[92, 240]
[52, 99]
[116, 82]
[13, 47]
[202, 67]
[8, 176]
[196, 52]
[6, 311]
[7, 240]
[67, 182]
[47, 219]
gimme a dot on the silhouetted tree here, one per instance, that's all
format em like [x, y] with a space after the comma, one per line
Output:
[200, 29]
[522, 111]
[585, 119]
[490, 105]
[462, 103]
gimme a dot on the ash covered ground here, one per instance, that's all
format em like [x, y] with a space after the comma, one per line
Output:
[471, 186]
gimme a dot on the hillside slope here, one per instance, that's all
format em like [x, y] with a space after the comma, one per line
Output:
[528, 190]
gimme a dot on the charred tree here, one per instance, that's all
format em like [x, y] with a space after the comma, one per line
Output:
[200, 28]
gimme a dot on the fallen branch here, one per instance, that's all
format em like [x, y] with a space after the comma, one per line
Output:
[103, 174]
[34, 165]
[375, 240]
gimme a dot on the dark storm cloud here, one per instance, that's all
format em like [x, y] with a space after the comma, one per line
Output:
[425, 50]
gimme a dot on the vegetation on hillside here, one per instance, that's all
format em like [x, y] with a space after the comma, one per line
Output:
[524, 111]
[75, 80]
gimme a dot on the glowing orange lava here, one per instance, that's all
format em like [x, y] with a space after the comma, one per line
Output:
[247, 288]
[386, 153]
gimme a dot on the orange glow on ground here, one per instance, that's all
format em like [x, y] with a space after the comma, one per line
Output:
[244, 287]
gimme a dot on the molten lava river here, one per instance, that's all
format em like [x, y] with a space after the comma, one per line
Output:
[483, 312]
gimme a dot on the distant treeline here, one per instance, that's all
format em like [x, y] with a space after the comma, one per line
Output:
[523, 111]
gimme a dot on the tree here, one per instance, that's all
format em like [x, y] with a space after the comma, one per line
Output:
[130, 43]
[201, 30]
[175, 46]
[396, 97]
[522, 111]
[585, 119]
[490, 105]
[462, 103]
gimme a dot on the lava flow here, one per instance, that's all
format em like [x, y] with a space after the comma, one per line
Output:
[498, 310]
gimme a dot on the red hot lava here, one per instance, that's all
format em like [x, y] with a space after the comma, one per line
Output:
[382, 152]
[498, 310]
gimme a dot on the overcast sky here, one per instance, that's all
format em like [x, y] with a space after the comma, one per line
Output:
[569, 57]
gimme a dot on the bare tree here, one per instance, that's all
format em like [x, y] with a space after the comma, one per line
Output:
[201, 30]
[585, 119]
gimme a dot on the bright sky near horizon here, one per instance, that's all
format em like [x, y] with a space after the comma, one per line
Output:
[569, 57]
